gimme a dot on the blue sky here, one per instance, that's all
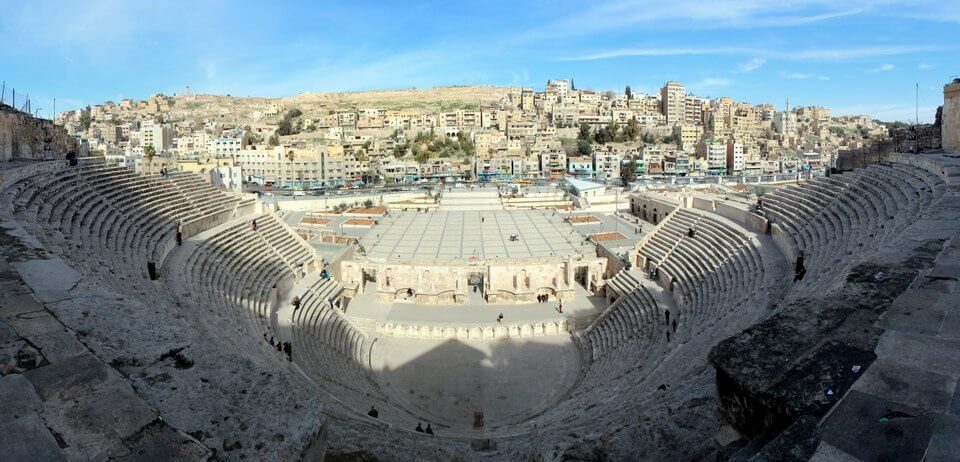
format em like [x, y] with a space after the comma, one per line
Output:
[853, 56]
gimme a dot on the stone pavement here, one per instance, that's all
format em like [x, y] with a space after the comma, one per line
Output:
[906, 406]
[448, 382]
[474, 312]
[59, 401]
[466, 234]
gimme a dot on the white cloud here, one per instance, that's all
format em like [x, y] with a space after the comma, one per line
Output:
[820, 54]
[881, 68]
[925, 66]
[605, 16]
[751, 65]
[802, 76]
[710, 83]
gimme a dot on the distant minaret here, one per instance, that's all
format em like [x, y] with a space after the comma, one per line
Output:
[788, 105]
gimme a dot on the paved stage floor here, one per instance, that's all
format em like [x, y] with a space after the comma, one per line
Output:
[474, 234]
[474, 312]
[450, 384]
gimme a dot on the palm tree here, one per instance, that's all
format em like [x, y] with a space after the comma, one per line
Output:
[148, 152]
[290, 156]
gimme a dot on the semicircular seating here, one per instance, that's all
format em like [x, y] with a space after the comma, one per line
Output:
[639, 354]
[831, 220]
[110, 212]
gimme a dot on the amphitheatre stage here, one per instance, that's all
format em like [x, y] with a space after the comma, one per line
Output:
[473, 235]
[140, 317]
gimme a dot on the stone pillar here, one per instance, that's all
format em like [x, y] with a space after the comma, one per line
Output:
[950, 128]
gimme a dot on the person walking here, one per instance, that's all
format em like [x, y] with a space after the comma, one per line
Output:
[288, 349]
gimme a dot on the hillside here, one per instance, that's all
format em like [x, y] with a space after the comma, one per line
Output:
[255, 109]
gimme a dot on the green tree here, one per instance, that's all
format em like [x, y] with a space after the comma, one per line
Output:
[584, 133]
[274, 140]
[148, 153]
[584, 148]
[628, 92]
[85, 118]
[628, 171]
[631, 131]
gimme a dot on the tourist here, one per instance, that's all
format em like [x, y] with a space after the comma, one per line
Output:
[280, 347]
[264, 336]
[288, 349]
[373, 412]
[429, 430]
[271, 340]
[419, 428]
[560, 307]
[500, 318]
[179, 238]
[253, 225]
[296, 302]
[690, 232]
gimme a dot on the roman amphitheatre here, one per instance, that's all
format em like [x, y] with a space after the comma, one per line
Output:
[815, 321]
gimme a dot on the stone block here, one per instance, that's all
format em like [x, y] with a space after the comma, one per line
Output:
[17, 304]
[35, 323]
[72, 377]
[871, 428]
[945, 443]
[27, 438]
[51, 280]
[17, 398]
[908, 385]
[58, 345]
[158, 441]
[928, 353]
[915, 312]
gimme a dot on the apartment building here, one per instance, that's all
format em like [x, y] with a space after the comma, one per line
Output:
[687, 136]
[553, 165]
[673, 102]
[606, 164]
[735, 158]
[580, 166]
[713, 152]
[160, 136]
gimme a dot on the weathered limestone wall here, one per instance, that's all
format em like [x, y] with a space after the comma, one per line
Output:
[23, 137]
[950, 131]
[651, 208]
[449, 282]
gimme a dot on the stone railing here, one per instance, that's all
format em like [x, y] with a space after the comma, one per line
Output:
[481, 332]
